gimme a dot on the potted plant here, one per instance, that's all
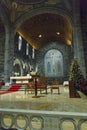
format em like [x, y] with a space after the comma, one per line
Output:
[75, 77]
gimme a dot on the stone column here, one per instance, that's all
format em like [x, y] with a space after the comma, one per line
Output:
[9, 54]
[77, 37]
[9, 44]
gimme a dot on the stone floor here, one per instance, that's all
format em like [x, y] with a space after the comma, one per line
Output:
[52, 102]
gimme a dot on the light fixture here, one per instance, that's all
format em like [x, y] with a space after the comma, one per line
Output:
[40, 36]
[69, 42]
[58, 33]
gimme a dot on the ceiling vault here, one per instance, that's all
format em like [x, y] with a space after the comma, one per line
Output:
[43, 28]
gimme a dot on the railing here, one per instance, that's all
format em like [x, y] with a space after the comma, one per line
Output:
[42, 120]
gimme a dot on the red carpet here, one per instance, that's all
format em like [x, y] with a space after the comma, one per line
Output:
[13, 88]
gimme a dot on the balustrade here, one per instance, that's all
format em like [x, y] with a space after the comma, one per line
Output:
[42, 120]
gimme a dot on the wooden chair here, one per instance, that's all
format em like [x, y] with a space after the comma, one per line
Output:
[29, 87]
[41, 85]
[55, 85]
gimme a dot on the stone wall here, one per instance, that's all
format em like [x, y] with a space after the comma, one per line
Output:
[83, 18]
[67, 56]
[2, 45]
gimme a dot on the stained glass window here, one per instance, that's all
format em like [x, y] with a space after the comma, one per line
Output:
[33, 53]
[19, 43]
[53, 63]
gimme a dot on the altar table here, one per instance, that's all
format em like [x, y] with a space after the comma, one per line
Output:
[20, 79]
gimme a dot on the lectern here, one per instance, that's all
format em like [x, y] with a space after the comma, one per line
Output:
[35, 77]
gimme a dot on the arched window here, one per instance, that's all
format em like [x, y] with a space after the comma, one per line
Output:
[17, 67]
[19, 43]
[33, 53]
[53, 63]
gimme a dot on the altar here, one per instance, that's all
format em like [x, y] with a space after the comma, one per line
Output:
[20, 79]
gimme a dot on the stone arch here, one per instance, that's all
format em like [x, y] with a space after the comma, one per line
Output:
[43, 10]
[51, 10]
[18, 69]
[65, 51]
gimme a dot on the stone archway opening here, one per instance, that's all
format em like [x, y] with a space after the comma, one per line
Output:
[45, 27]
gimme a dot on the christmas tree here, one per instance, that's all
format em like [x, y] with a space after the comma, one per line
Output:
[75, 74]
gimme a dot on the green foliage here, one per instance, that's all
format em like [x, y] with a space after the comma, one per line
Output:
[75, 73]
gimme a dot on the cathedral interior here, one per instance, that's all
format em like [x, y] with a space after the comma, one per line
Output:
[43, 36]
[39, 39]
